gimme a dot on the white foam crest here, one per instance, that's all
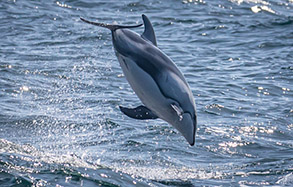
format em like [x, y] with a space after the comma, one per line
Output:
[250, 1]
[257, 9]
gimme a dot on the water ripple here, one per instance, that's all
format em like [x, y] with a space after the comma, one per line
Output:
[61, 87]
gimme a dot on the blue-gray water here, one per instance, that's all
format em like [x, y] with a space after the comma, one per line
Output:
[61, 85]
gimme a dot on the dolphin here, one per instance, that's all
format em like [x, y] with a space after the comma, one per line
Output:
[155, 79]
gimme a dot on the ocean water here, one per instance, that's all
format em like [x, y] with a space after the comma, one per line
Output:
[61, 85]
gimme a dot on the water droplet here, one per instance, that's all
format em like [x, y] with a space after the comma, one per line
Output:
[24, 88]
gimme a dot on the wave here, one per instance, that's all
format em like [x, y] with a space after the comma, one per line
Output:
[26, 165]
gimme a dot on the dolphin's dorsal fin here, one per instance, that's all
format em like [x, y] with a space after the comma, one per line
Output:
[140, 112]
[148, 33]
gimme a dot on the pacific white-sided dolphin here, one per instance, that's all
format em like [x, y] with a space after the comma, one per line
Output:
[155, 79]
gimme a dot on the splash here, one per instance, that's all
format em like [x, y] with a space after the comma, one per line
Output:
[172, 172]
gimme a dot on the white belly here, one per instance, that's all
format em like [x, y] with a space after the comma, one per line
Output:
[145, 88]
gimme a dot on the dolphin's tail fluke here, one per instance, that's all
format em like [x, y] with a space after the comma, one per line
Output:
[111, 27]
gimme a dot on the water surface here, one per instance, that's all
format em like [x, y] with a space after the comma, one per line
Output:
[61, 85]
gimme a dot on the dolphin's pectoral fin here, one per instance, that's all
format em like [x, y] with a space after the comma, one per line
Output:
[178, 110]
[148, 33]
[140, 112]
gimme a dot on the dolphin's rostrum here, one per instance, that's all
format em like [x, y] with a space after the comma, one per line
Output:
[155, 79]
